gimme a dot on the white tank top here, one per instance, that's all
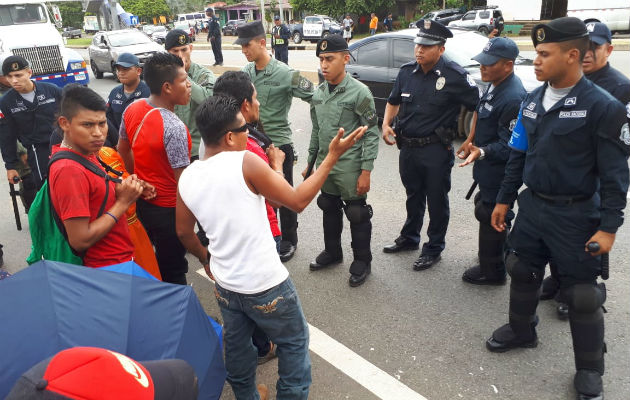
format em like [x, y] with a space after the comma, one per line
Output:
[243, 252]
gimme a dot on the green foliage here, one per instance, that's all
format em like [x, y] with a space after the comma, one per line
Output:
[146, 9]
[71, 13]
[337, 8]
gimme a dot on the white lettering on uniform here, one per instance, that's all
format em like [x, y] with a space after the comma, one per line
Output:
[573, 114]
[530, 114]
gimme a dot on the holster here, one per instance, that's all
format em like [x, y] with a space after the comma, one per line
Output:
[446, 135]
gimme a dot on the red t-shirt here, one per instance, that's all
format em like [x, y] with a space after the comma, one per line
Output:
[271, 214]
[76, 192]
[163, 144]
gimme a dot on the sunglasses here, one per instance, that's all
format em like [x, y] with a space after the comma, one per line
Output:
[237, 130]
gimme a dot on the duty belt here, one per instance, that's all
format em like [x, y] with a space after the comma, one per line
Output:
[561, 200]
[418, 142]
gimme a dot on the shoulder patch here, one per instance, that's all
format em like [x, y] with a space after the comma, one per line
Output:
[364, 105]
[305, 84]
[470, 80]
[625, 134]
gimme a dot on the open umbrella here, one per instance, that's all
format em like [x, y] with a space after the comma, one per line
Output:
[51, 306]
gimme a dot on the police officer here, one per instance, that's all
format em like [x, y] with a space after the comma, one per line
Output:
[570, 147]
[598, 70]
[178, 43]
[214, 36]
[276, 85]
[28, 115]
[429, 93]
[343, 102]
[495, 117]
[280, 40]
[128, 71]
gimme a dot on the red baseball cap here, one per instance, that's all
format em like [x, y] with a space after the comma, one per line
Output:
[91, 373]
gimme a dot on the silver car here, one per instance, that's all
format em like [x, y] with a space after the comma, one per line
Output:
[107, 46]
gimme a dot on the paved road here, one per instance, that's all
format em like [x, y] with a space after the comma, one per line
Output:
[425, 330]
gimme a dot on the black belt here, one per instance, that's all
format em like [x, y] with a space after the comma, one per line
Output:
[418, 141]
[561, 200]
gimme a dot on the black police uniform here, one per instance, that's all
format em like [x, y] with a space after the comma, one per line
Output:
[428, 103]
[281, 46]
[118, 101]
[31, 124]
[214, 33]
[496, 116]
[614, 82]
[575, 167]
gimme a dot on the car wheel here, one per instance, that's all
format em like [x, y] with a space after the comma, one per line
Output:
[297, 37]
[483, 30]
[97, 74]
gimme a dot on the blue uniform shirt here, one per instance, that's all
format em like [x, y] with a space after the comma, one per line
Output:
[614, 82]
[496, 116]
[577, 147]
[117, 102]
[30, 123]
[430, 101]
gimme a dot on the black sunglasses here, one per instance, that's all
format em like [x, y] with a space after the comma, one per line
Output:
[237, 130]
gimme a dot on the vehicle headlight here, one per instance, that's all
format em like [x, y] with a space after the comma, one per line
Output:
[77, 65]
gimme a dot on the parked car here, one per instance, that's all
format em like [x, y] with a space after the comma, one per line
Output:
[441, 16]
[614, 13]
[159, 34]
[376, 60]
[230, 27]
[186, 28]
[107, 46]
[314, 28]
[480, 19]
[71, 32]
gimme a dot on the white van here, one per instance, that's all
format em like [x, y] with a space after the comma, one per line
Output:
[192, 18]
[614, 13]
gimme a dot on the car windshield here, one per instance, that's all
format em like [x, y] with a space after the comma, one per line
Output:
[464, 46]
[22, 14]
[127, 39]
[160, 29]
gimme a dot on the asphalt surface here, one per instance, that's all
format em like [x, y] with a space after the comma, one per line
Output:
[426, 329]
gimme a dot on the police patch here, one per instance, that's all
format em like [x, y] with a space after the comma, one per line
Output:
[323, 45]
[487, 106]
[540, 34]
[15, 67]
[427, 24]
[530, 114]
[439, 84]
[570, 101]
[305, 84]
[182, 39]
[531, 106]
[590, 26]
[512, 123]
[471, 81]
[573, 114]
[625, 134]
[371, 118]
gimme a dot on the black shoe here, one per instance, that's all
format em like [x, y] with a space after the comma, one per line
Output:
[504, 339]
[588, 385]
[286, 250]
[425, 262]
[326, 259]
[476, 277]
[400, 244]
[562, 310]
[357, 279]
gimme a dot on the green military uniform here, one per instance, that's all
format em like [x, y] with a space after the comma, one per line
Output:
[276, 86]
[202, 81]
[349, 106]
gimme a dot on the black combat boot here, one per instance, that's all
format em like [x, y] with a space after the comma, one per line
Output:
[491, 268]
[332, 253]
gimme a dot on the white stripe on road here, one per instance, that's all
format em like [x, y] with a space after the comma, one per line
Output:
[356, 367]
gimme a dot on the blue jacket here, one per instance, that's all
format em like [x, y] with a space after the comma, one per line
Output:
[614, 82]
[117, 102]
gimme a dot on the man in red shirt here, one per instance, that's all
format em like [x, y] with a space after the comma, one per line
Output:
[77, 194]
[155, 144]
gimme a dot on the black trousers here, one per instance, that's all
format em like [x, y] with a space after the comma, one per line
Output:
[38, 155]
[159, 222]
[288, 218]
[282, 53]
[216, 49]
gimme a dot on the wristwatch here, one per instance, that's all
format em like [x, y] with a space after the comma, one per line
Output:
[482, 154]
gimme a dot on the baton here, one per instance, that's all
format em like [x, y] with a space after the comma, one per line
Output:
[594, 247]
[16, 210]
[309, 166]
[471, 190]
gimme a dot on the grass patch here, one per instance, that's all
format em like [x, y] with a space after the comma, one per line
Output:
[80, 41]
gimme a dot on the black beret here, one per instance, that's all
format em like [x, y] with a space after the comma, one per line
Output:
[431, 33]
[559, 30]
[14, 63]
[331, 44]
[249, 31]
[176, 38]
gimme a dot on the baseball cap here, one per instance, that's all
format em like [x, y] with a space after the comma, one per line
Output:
[276, 18]
[127, 60]
[93, 373]
[14, 63]
[496, 49]
[599, 33]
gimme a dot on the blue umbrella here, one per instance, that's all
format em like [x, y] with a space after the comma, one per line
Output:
[51, 306]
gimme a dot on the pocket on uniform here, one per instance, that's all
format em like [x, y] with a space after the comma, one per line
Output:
[569, 125]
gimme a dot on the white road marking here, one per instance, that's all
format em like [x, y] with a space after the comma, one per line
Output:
[374, 379]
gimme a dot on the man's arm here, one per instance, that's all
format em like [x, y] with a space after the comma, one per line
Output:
[285, 33]
[499, 150]
[301, 87]
[185, 227]
[8, 143]
[124, 147]
[202, 85]
[367, 116]
[391, 110]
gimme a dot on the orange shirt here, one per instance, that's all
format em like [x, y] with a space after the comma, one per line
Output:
[374, 22]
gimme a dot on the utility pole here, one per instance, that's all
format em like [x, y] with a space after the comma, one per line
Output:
[114, 14]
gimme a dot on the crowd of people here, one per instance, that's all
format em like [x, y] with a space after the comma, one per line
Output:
[181, 147]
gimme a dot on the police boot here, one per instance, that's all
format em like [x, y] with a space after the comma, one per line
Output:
[586, 318]
[28, 191]
[361, 266]
[333, 225]
[491, 268]
[359, 214]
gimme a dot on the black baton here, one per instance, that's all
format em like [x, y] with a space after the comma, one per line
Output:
[471, 190]
[310, 166]
[16, 210]
[593, 247]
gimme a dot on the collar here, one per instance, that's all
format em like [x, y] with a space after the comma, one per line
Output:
[437, 69]
[341, 87]
[497, 89]
[599, 73]
[269, 68]
[568, 101]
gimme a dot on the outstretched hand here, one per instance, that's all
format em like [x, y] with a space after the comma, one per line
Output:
[340, 144]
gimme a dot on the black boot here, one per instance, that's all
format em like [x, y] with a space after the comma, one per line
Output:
[491, 268]
[333, 226]
[359, 214]
[361, 267]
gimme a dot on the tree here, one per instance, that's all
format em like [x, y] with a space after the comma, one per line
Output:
[146, 9]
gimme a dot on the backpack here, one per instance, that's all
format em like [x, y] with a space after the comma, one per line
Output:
[48, 234]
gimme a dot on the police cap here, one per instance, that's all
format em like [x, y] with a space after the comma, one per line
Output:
[276, 18]
[14, 63]
[249, 31]
[431, 33]
[127, 60]
[559, 30]
[331, 44]
[599, 33]
[496, 49]
[176, 38]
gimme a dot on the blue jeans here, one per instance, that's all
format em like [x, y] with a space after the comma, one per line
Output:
[278, 313]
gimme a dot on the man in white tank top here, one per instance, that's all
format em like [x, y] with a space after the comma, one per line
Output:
[226, 193]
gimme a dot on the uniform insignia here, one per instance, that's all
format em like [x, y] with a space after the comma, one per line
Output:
[540, 34]
[305, 84]
[590, 26]
[438, 72]
[628, 110]
[15, 67]
[427, 24]
[182, 39]
[512, 124]
[573, 114]
[323, 45]
[118, 95]
[625, 134]
[487, 106]
[487, 46]
[371, 118]
[570, 101]
[41, 97]
[531, 106]
[471, 81]
[439, 84]
[529, 114]
[490, 96]
[137, 94]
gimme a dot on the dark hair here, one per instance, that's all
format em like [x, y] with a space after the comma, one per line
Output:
[160, 68]
[236, 84]
[215, 116]
[75, 97]
[581, 44]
